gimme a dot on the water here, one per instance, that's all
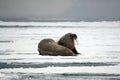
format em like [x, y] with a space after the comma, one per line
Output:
[99, 43]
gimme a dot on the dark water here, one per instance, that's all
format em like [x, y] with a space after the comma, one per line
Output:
[99, 43]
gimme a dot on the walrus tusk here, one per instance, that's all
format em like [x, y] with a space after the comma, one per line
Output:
[75, 42]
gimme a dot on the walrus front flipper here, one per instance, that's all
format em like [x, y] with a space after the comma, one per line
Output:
[50, 47]
[75, 51]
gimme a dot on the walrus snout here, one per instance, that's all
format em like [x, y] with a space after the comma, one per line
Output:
[74, 38]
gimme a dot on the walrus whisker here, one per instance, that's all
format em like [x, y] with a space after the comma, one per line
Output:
[75, 42]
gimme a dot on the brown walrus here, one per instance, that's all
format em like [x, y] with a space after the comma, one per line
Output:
[50, 47]
[68, 40]
[64, 47]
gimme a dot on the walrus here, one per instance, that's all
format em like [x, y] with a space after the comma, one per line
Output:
[64, 47]
[52, 48]
[69, 40]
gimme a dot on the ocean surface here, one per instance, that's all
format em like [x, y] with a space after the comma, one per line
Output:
[99, 43]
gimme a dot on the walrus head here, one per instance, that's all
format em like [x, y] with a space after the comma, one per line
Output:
[69, 40]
